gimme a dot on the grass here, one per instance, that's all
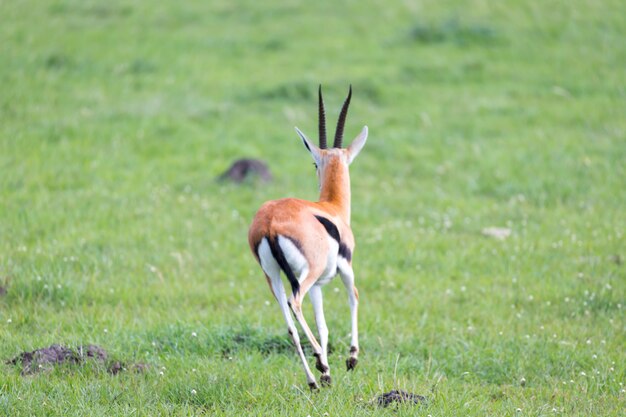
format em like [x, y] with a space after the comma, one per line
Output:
[116, 118]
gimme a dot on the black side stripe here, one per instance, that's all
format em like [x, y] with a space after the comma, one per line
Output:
[332, 230]
[278, 254]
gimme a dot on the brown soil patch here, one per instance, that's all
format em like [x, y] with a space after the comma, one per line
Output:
[116, 367]
[399, 397]
[242, 169]
[45, 359]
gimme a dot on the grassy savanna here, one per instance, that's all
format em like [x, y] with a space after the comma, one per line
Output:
[116, 117]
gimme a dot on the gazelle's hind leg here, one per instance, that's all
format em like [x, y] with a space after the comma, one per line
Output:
[295, 302]
[301, 267]
[347, 276]
[315, 294]
[272, 272]
[279, 292]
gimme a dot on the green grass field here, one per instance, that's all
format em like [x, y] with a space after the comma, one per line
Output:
[116, 118]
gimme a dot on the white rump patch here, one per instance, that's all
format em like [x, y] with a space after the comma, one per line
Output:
[268, 263]
[294, 257]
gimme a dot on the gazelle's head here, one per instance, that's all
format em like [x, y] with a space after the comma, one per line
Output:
[324, 156]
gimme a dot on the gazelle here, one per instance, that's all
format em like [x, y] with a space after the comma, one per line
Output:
[311, 242]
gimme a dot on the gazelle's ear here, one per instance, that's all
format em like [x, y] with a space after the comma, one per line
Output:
[357, 144]
[313, 150]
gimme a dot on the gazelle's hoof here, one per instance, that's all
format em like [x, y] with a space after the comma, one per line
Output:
[313, 386]
[351, 363]
[318, 363]
[326, 380]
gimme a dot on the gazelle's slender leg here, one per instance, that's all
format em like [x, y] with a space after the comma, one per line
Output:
[295, 302]
[270, 266]
[279, 292]
[315, 294]
[347, 276]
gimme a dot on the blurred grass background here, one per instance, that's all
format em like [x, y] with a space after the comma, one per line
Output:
[116, 117]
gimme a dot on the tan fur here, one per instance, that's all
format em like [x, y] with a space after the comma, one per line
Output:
[295, 218]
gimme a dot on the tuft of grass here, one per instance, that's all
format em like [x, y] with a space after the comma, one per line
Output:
[294, 91]
[455, 31]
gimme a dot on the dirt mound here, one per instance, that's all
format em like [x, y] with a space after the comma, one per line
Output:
[93, 351]
[242, 169]
[45, 359]
[116, 367]
[399, 396]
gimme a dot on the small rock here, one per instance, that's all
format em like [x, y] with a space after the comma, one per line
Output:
[499, 233]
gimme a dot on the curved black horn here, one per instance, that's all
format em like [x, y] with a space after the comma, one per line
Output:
[342, 120]
[322, 120]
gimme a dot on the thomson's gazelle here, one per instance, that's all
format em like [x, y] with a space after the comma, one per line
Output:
[312, 242]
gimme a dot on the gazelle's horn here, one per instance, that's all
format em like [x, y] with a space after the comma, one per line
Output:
[322, 120]
[342, 120]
